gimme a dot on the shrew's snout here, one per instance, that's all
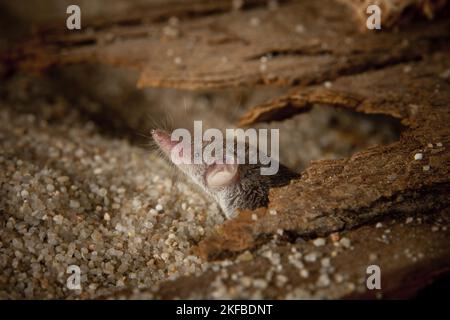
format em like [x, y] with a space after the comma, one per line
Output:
[163, 140]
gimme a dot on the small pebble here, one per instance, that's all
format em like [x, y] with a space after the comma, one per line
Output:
[281, 280]
[345, 242]
[304, 273]
[62, 179]
[246, 256]
[299, 28]
[177, 60]
[311, 257]
[418, 156]
[327, 84]
[407, 69]
[338, 278]
[319, 242]
[323, 281]
[58, 219]
[74, 204]
[254, 21]
[325, 262]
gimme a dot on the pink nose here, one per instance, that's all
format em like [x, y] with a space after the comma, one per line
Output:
[162, 138]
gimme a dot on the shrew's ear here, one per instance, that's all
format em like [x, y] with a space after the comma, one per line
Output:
[221, 175]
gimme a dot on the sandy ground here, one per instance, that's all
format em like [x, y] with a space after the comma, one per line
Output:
[81, 186]
[71, 196]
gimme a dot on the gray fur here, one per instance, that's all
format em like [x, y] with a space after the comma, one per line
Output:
[249, 191]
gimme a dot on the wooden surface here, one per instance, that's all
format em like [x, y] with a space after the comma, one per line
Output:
[400, 73]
